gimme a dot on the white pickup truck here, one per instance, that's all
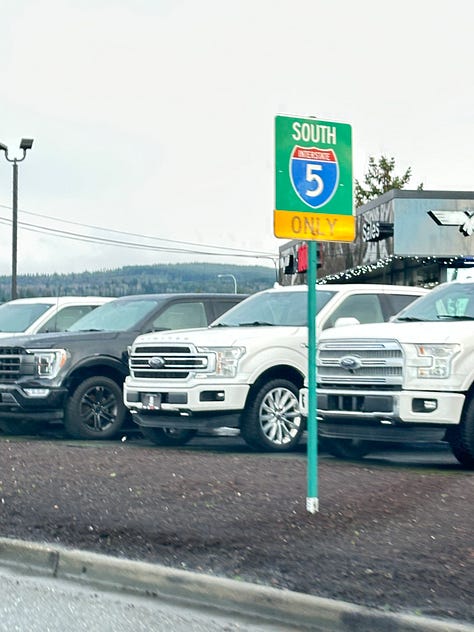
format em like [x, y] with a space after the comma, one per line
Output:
[409, 380]
[45, 314]
[246, 368]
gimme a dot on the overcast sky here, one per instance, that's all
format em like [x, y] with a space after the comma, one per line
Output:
[156, 117]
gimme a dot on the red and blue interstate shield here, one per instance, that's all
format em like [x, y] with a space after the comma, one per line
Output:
[314, 174]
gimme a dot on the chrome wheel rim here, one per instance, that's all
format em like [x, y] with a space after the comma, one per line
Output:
[280, 417]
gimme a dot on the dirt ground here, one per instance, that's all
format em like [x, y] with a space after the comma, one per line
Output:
[396, 539]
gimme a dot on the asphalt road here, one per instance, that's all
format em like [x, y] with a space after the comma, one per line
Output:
[46, 604]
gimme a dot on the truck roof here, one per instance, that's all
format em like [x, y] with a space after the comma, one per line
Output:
[338, 287]
[62, 300]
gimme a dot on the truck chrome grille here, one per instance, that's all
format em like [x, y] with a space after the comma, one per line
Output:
[11, 363]
[166, 362]
[359, 362]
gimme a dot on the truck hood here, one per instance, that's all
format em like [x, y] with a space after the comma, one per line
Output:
[405, 332]
[58, 340]
[223, 336]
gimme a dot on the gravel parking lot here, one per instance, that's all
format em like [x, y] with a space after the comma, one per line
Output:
[392, 537]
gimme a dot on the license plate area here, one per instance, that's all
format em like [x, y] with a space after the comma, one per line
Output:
[151, 401]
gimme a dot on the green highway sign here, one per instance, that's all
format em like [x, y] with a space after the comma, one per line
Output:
[313, 178]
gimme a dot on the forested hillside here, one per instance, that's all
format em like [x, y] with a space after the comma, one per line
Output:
[179, 277]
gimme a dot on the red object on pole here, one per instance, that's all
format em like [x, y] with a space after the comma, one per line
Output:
[302, 257]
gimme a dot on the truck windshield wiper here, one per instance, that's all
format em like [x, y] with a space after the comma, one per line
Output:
[256, 323]
[411, 319]
[85, 330]
[455, 317]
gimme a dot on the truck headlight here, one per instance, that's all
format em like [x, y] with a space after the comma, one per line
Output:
[435, 360]
[48, 362]
[226, 359]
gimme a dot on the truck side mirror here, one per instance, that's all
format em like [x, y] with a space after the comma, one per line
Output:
[346, 320]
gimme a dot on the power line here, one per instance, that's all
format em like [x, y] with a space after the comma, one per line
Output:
[137, 246]
[226, 251]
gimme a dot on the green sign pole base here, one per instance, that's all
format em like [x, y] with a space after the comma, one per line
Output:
[312, 505]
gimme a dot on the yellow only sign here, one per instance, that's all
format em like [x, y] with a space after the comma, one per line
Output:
[316, 226]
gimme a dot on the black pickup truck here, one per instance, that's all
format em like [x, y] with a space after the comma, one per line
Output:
[77, 376]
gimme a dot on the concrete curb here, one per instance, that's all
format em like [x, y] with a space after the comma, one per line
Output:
[282, 606]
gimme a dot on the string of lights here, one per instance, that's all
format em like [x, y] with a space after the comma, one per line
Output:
[353, 273]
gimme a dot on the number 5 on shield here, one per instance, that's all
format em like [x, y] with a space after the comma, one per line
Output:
[311, 176]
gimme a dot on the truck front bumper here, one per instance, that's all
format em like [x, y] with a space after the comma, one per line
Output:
[202, 405]
[385, 415]
[31, 402]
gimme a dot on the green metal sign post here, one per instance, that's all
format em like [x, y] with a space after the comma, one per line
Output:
[314, 202]
[312, 498]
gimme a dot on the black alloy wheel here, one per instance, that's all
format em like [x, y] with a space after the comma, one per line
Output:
[95, 410]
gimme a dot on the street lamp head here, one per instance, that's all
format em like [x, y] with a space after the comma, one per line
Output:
[26, 143]
[231, 276]
[3, 147]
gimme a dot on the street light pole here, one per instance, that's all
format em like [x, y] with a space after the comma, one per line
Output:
[26, 143]
[14, 292]
[232, 277]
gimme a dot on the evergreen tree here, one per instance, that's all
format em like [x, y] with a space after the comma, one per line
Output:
[379, 179]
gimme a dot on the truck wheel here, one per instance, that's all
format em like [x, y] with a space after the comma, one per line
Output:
[95, 410]
[347, 448]
[461, 438]
[272, 420]
[168, 436]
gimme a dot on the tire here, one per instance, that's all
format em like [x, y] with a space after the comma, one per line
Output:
[272, 421]
[95, 410]
[461, 438]
[168, 436]
[347, 448]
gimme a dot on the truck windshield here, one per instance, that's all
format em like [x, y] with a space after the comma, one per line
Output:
[273, 308]
[118, 315]
[450, 301]
[17, 317]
